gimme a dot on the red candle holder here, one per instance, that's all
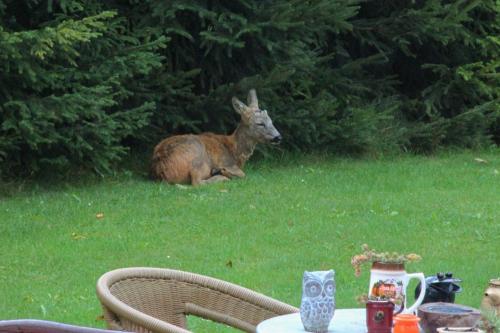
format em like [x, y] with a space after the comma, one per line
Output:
[379, 316]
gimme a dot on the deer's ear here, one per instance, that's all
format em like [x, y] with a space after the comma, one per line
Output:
[240, 107]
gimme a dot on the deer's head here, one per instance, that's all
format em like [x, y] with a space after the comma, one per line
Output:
[260, 125]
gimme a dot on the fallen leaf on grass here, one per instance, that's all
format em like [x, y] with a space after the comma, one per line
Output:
[28, 299]
[99, 215]
[480, 236]
[76, 236]
[480, 160]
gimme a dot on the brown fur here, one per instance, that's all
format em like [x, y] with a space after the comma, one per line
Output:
[191, 158]
[207, 157]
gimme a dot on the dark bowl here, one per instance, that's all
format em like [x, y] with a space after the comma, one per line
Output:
[434, 315]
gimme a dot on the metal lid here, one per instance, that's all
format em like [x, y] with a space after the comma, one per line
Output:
[442, 278]
[495, 282]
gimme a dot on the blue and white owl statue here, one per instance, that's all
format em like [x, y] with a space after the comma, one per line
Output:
[318, 300]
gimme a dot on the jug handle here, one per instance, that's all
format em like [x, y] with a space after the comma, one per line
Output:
[421, 277]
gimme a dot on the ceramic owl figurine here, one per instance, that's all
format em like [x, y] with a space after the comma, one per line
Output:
[318, 300]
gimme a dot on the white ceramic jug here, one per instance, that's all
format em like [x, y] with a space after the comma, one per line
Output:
[390, 281]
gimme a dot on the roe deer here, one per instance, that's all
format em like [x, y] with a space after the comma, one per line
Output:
[207, 157]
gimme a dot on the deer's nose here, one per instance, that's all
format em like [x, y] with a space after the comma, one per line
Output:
[276, 139]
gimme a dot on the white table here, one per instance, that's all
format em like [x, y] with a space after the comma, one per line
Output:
[344, 321]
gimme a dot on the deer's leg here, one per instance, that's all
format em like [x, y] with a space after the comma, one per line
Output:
[200, 170]
[198, 178]
[214, 179]
[201, 174]
[228, 171]
[232, 171]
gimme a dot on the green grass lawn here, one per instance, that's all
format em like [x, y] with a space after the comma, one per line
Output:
[261, 232]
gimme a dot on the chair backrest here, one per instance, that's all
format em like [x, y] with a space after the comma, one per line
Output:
[170, 295]
[164, 299]
[44, 326]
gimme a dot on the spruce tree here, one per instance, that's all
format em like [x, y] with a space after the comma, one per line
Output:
[69, 88]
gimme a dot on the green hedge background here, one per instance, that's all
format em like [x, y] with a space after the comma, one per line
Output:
[83, 82]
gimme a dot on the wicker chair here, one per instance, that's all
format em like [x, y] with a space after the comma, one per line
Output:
[44, 326]
[158, 300]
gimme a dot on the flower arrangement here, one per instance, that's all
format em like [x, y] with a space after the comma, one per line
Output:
[364, 298]
[371, 256]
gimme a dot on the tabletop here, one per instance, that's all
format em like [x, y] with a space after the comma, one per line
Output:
[344, 321]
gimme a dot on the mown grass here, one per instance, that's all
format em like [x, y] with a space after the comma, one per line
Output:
[307, 213]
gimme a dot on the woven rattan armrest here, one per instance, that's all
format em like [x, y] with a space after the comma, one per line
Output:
[119, 315]
[158, 300]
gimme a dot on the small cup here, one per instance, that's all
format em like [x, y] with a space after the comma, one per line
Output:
[379, 316]
[406, 323]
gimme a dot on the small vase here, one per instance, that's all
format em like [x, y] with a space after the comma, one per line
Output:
[318, 300]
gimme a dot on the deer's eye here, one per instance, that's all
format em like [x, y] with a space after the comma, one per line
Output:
[261, 124]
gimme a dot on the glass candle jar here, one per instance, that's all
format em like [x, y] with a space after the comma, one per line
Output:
[406, 323]
[379, 316]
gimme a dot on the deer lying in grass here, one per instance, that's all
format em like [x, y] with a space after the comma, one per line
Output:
[209, 158]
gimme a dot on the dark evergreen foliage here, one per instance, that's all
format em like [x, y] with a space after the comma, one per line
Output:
[83, 81]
